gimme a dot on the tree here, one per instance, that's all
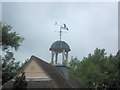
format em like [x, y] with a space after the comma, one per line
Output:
[10, 40]
[24, 63]
[98, 70]
[20, 82]
[74, 65]
[9, 67]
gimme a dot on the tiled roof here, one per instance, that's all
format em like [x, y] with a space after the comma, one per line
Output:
[58, 81]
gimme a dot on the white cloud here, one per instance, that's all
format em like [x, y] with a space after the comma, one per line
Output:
[91, 25]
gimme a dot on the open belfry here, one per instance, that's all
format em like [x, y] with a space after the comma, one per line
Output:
[41, 74]
[60, 47]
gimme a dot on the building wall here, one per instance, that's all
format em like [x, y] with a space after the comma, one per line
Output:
[34, 71]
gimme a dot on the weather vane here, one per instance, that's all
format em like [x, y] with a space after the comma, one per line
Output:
[62, 27]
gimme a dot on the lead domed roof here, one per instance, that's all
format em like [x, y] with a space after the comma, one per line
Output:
[59, 46]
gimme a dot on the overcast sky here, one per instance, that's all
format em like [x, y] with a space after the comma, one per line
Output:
[91, 25]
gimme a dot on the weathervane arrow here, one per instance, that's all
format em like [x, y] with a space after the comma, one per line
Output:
[63, 27]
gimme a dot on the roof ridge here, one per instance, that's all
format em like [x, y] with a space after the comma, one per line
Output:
[57, 79]
[39, 59]
[54, 74]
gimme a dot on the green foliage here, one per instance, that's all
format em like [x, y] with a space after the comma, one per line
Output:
[9, 67]
[9, 40]
[20, 82]
[74, 65]
[24, 63]
[98, 70]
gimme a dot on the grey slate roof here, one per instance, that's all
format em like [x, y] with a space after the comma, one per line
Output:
[59, 46]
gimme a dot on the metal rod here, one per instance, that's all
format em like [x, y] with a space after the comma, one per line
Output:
[60, 33]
